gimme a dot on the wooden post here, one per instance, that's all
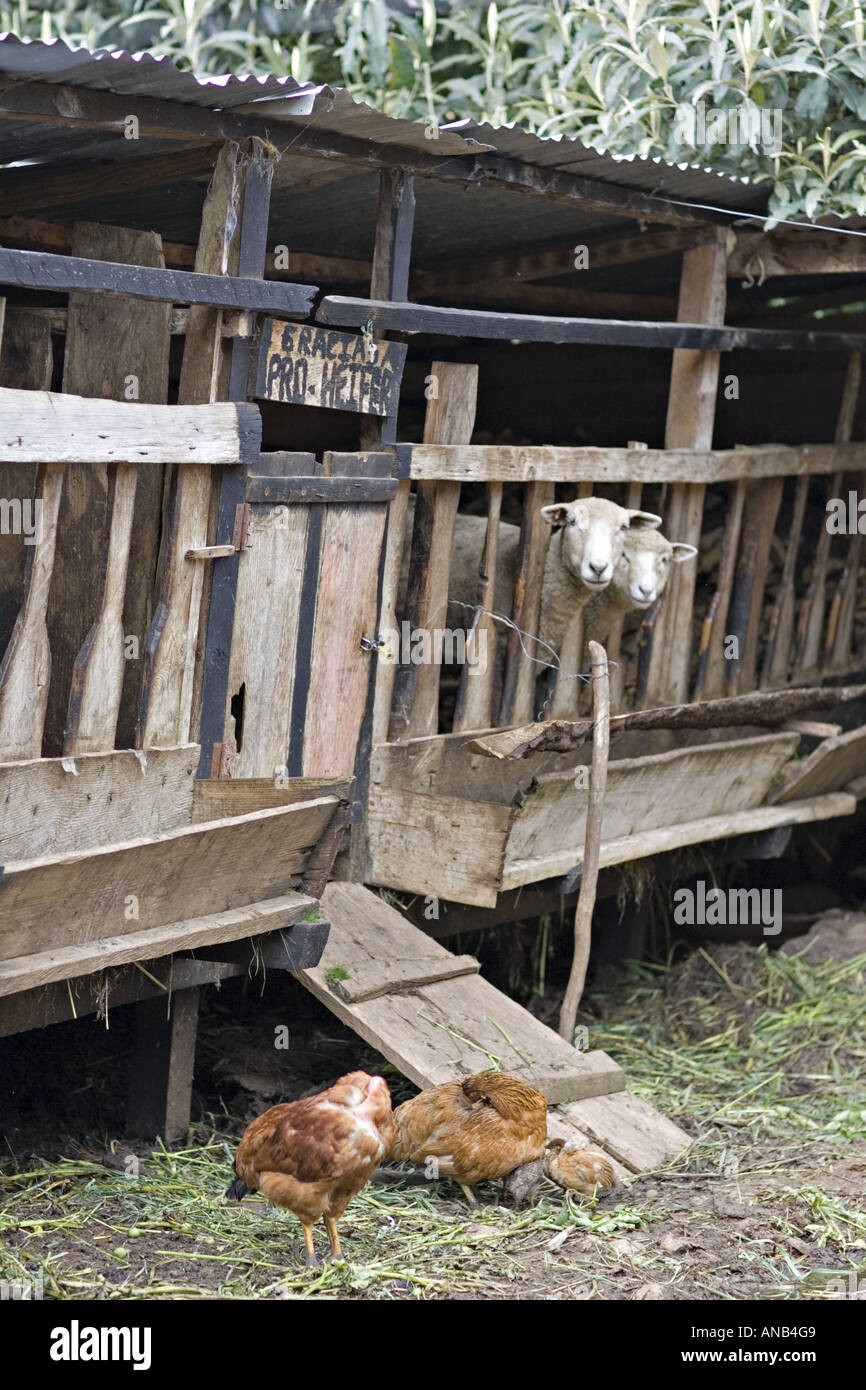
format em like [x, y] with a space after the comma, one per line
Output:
[162, 1066]
[450, 419]
[592, 840]
[220, 584]
[691, 413]
[167, 697]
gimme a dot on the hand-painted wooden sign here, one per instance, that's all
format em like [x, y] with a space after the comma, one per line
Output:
[306, 365]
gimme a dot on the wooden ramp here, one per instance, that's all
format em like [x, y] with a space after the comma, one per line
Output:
[432, 1015]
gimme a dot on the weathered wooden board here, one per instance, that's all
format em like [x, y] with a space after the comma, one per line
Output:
[214, 798]
[98, 953]
[518, 685]
[262, 661]
[760, 510]
[435, 844]
[116, 348]
[450, 1028]
[662, 789]
[832, 765]
[48, 427]
[449, 418]
[190, 871]
[26, 363]
[520, 463]
[305, 365]
[350, 312]
[43, 270]
[54, 805]
[669, 837]
[25, 671]
[629, 1129]
[345, 612]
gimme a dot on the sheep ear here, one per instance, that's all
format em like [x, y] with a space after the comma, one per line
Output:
[682, 551]
[556, 513]
[643, 521]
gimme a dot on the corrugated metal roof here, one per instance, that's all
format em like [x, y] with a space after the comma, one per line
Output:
[334, 109]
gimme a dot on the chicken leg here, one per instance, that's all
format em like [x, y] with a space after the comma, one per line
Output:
[313, 1261]
[334, 1238]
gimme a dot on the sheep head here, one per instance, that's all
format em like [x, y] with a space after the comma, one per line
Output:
[641, 574]
[593, 536]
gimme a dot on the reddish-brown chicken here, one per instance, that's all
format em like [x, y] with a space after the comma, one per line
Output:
[577, 1170]
[314, 1155]
[471, 1130]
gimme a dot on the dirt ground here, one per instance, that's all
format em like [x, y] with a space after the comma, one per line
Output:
[761, 1057]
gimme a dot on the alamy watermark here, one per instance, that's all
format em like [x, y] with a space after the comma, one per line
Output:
[421, 646]
[21, 516]
[751, 126]
[729, 907]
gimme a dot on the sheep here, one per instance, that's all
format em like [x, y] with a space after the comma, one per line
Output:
[586, 546]
[640, 577]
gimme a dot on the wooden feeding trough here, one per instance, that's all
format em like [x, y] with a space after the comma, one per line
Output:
[209, 439]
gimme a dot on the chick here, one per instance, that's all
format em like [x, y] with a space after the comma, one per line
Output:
[576, 1170]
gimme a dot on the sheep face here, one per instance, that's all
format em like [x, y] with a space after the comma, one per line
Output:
[643, 568]
[593, 536]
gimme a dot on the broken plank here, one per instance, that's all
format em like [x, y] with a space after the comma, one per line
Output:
[830, 767]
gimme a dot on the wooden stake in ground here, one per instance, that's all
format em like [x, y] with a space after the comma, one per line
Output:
[592, 839]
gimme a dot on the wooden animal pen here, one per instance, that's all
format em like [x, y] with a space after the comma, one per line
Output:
[243, 322]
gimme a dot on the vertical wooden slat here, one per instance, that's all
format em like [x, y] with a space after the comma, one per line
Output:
[167, 697]
[810, 627]
[690, 418]
[567, 688]
[777, 656]
[25, 671]
[112, 343]
[710, 679]
[26, 362]
[386, 670]
[761, 508]
[449, 420]
[518, 688]
[473, 709]
[389, 280]
[392, 255]
[346, 611]
[616, 662]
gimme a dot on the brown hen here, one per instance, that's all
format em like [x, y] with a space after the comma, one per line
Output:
[471, 1130]
[314, 1155]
